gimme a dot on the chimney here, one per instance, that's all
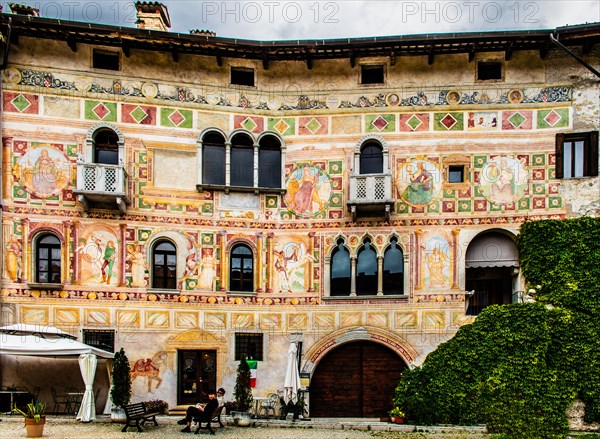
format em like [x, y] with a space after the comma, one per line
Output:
[24, 10]
[203, 33]
[153, 16]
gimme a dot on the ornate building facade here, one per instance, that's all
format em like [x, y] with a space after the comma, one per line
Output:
[193, 199]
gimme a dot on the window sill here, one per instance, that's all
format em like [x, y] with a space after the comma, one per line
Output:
[367, 297]
[227, 189]
[44, 286]
[163, 291]
[241, 293]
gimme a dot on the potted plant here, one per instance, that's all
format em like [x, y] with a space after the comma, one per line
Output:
[397, 415]
[35, 417]
[120, 392]
[157, 405]
[242, 394]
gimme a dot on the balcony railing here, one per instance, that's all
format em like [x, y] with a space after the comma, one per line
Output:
[101, 183]
[371, 193]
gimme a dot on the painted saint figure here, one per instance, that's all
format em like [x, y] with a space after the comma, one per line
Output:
[13, 259]
[303, 192]
[436, 261]
[205, 281]
[138, 265]
[420, 189]
[110, 255]
[44, 174]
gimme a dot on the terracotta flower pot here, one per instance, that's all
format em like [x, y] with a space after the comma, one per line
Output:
[398, 419]
[34, 429]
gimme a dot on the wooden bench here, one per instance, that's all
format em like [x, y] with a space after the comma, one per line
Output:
[137, 412]
[215, 417]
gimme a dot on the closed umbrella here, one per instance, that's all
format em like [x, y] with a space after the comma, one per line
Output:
[291, 383]
[87, 409]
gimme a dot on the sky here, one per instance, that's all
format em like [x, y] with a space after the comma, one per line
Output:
[324, 19]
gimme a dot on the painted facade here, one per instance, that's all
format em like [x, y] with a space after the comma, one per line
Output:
[500, 133]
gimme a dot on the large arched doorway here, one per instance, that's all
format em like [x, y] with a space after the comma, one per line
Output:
[354, 380]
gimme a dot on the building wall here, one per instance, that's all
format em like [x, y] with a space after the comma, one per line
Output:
[53, 99]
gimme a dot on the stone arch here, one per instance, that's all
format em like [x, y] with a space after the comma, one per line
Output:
[88, 156]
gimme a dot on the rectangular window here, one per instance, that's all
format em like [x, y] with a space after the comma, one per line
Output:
[456, 174]
[487, 70]
[249, 346]
[577, 155]
[104, 59]
[372, 74]
[242, 76]
[100, 338]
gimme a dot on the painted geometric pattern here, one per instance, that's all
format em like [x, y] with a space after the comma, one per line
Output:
[138, 114]
[557, 118]
[313, 125]
[104, 111]
[254, 124]
[285, 126]
[21, 103]
[177, 118]
[380, 123]
[541, 192]
[517, 120]
[450, 121]
[414, 122]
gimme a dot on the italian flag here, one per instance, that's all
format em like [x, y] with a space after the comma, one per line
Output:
[252, 365]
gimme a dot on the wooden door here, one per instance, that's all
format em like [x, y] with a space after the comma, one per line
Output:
[357, 379]
[197, 374]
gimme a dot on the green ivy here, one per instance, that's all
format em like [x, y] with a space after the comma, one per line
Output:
[518, 367]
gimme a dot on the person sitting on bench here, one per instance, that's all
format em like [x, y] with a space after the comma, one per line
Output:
[199, 411]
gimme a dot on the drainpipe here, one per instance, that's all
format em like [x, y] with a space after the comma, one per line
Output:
[574, 55]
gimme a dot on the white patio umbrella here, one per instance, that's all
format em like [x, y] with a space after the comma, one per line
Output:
[87, 409]
[291, 383]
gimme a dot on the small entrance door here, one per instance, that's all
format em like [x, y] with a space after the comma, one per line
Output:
[197, 374]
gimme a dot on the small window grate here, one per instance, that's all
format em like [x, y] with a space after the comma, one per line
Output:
[361, 188]
[101, 338]
[249, 346]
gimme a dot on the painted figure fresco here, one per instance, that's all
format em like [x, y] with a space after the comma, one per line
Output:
[191, 265]
[207, 269]
[151, 368]
[98, 249]
[12, 259]
[482, 120]
[419, 182]
[308, 190]
[437, 262]
[137, 258]
[292, 263]
[43, 171]
[503, 180]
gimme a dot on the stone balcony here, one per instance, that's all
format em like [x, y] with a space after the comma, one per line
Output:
[370, 195]
[102, 186]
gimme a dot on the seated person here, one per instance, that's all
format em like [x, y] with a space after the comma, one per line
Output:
[221, 396]
[199, 411]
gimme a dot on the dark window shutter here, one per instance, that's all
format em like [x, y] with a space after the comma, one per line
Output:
[559, 154]
[593, 157]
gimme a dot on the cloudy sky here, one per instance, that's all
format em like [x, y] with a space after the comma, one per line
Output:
[315, 19]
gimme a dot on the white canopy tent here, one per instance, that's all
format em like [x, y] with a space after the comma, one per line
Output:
[34, 345]
[40, 330]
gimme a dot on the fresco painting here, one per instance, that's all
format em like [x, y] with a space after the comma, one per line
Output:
[419, 182]
[437, 262]
[292, 265]
[503, 180]
[99, 256]
[482, 120]
[309, 191]
[137, 258]
[150, 368]
[12, 259]
[43, 171]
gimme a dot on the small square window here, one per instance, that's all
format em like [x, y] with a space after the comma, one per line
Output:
[489, 70]
[249, 346]
[456, 174]
[104, 59]
[577, 155]
[242, 76]
[100, 338]
[372, 74]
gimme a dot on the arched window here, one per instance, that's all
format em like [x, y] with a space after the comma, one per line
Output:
[393, 269]
[269, 162]
[366, 270]
[213, 158]
[106, 147]
[48, 259]
[241, 269]
[164, 265]
[242, 161]
[340, 270]
[371, 158]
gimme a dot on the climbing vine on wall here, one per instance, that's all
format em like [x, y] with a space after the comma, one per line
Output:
[518, 367]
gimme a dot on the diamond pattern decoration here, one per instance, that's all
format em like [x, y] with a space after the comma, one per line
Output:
[314, 125]
[517, 119]
[176, 118]
[282, 126]
[552, 118]
[101, 111]
[448, 121]
[21, 103]
[249, 124]
[138, 114]
[380, 123]
[414, 122]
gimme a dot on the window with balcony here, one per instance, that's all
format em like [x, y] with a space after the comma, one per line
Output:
[241, 269]
[577, 155]
[48, 259]
[106, 147]
[164, 265]
[371, 158]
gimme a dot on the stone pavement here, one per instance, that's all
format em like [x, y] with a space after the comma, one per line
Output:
[330, 428]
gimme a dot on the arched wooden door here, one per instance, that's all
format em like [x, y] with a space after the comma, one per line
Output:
[355, 380]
